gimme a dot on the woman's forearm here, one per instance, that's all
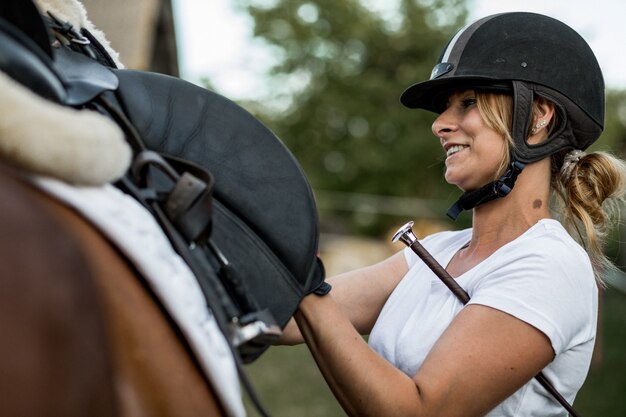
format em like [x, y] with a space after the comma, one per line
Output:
[362, 381]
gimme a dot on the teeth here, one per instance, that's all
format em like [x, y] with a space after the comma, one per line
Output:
[455, 149]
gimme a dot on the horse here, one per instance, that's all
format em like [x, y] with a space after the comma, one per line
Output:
[83, 334]
[98, 327]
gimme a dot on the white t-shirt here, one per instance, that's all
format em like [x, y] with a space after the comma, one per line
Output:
[543, 278]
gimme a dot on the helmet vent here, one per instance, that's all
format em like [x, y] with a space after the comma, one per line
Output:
[441, 69]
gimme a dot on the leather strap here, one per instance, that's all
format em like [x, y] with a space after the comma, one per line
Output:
[497, 189]
[188, 200]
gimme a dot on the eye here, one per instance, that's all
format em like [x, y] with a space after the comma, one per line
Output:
[468, 102]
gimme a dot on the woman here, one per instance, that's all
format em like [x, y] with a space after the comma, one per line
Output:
[519, 96]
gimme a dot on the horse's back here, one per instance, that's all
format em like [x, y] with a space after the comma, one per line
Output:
[53, 354]
[115, 323]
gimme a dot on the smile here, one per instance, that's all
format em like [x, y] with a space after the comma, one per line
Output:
[454, 149]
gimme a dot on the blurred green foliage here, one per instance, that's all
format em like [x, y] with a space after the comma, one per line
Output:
[614, 136]
[603, 392]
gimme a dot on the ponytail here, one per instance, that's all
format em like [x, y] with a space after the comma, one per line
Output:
[590, 187]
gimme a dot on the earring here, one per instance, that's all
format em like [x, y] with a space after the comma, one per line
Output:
[541, 123]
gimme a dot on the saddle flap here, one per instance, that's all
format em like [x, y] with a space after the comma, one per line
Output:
[264, 213]
[256, 177]
[83, 77]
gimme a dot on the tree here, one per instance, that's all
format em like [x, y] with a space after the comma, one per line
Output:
[341, 67]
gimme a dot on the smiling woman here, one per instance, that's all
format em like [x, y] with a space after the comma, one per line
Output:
[514, 126]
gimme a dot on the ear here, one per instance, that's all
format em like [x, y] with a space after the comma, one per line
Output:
[543, 118]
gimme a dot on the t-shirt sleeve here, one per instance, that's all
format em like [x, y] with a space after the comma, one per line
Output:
[552, 290]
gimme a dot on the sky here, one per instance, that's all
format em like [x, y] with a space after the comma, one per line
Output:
[215, 40]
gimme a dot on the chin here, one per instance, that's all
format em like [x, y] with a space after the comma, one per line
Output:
[450, 179]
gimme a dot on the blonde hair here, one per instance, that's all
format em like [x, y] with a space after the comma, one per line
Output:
[589, 199]
[496, 112]
[588, 196]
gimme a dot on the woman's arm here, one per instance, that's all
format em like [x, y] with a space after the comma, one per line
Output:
[483, 357]
[360, 294]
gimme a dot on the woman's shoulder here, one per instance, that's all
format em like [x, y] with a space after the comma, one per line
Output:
[544, 278]
[545, 259]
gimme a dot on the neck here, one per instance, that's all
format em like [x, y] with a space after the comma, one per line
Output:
[500, 221]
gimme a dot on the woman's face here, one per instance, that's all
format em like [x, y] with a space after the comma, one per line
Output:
[473, 150]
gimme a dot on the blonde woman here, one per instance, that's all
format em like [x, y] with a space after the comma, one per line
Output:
[519, 97]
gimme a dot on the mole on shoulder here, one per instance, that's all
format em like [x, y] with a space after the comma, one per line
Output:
[537, 204]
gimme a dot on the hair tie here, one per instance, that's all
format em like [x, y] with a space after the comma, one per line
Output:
[569, 162]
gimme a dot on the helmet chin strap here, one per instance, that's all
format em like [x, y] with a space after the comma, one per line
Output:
[495, 189]
[522, 114]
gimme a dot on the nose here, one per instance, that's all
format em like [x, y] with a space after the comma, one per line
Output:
[444, 124]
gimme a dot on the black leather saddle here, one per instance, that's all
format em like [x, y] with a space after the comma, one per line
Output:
[264, 213]
[259, 231]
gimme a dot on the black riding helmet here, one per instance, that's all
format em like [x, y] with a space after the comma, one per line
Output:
[525, 55]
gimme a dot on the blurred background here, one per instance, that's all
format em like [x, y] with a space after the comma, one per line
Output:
[325, 76]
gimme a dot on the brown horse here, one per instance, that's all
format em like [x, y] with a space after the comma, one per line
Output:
[82, 334]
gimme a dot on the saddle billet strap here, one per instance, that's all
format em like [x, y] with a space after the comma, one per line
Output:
[100, 52]
[81, 40]
[206, 278]
[65, 33]
[187, 201]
